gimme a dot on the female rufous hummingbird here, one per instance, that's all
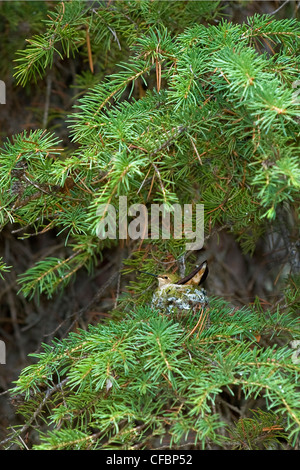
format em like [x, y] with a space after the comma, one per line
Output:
[175, 295]
[195, 278]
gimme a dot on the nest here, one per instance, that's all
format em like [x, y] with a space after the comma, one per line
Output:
[173, 298]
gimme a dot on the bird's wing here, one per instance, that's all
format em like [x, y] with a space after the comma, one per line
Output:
[199, 274]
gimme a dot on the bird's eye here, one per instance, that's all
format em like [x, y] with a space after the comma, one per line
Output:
[166, 277]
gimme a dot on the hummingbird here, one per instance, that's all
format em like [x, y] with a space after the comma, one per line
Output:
[173, 295]
[195, 278]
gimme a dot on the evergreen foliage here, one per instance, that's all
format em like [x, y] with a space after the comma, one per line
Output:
[262, 431]
[218, 125]
[130, 383]
[3, 267]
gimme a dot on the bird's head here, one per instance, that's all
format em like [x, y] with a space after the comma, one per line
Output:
[163, 279]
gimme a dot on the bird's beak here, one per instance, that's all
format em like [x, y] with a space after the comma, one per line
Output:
[150, 274]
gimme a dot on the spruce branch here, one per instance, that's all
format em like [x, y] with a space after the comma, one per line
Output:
[148, 354]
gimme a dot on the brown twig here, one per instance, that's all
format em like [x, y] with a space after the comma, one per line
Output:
[48, 394]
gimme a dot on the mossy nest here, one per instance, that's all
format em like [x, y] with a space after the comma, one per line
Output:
[174, 298]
